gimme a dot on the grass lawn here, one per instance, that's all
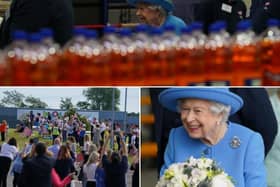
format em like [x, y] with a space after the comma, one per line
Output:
[21, 140]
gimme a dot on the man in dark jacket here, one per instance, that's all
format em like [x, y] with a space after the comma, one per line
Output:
[185, 9]
[37, 170]
[231, 11]
[256, 114]
[209, 11]
[265, 10]
[32, 15]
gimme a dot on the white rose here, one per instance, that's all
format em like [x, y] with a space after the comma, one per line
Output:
[199, 174]
[221, 180]
[192, 161]
[208, 162]
[203, 163]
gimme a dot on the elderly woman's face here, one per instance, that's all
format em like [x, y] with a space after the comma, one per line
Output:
[198, 120]
[146, 15]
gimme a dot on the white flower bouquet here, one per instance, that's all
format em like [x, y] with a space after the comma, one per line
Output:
[202, 172]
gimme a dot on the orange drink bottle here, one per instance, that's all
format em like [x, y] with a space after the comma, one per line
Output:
[50, 67]
[170, 38]
[16, 60]
[188, 70]
[155, 63]
[72, 60]
[97, 69]
[246, 65]
[270, 53]
[142, 41]
[218, 56]
[122, 66]
[110, 41]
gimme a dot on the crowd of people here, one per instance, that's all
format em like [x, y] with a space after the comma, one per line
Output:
[100, 157]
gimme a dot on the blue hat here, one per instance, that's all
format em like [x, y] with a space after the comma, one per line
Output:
[166, 4]
[168, 98]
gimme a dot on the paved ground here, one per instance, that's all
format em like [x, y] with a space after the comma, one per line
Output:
[148, 177]
[10, 181]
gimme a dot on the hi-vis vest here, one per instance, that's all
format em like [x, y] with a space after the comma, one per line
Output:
[55, 131]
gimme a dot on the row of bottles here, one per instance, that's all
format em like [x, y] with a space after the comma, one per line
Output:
[147, 56]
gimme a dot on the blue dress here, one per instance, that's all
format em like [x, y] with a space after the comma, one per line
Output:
[178, 23]
[244, 162]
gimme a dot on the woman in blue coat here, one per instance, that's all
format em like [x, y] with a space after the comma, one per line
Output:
[206, 132]
[157, 13]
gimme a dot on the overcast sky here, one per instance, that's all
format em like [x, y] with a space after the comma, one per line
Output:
[52, 95]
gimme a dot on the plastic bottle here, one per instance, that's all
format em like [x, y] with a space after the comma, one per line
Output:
[269, 38]
[156, 67]
[47, 39]
[170, 40]
[270, 53]
[246, 65]
[142, 42]
[197, 66]
[37, 58]
[218, 56]
[188, 70]
[72, 59]
[18, 68]
[197, 32]
[53, 58]
[98, 70]
[110, 42]
[198, 56]
[123, 66]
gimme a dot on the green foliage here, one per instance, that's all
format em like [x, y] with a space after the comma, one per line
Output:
[13, 98]
[83, 105]
[35, 102]
[84, 120]
[66, 103]
[101, 98]
[169, 174]
[16, 99]
[70, 112]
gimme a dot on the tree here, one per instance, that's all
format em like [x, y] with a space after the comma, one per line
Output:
[13, 98]
[35, 102]
[83, 105]
[66, 103]
[101, 98]
[70, 112]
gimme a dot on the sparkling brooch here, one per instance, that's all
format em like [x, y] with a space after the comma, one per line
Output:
[235, 142]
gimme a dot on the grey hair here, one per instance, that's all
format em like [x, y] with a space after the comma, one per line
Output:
[215, 108]
[161, 10]
[219, 108]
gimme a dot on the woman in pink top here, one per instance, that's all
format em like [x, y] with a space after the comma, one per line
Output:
[57, 182]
